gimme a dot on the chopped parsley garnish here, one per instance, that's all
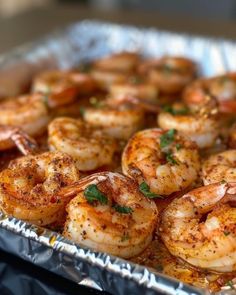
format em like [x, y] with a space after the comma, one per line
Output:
[167, 138]
[171, 159]
[96, 103]
[82, 111]
[46, 100]
[122, 209]
[167, 69]
[125, 238]
[171, 110]
[92, 194]
[226, 233]
[178, 146]
[230, 284]
[135, 80]
[145, 189]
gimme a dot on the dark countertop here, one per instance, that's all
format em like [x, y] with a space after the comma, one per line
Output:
[35, 23]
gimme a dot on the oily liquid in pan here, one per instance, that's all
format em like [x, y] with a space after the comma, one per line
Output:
[156, 254]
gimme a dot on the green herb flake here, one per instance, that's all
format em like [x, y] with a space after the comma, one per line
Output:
[123, 209]
[46, 100]
[125, 238]
[96, 103]
[230, 284]
[178, 146]
[135, 80]
[171, 159]
[167, 69]
[223, 181]
[82, 111]
[92, 194]
[171, 110]
[167, 138]
[226, 233]
[145, 189]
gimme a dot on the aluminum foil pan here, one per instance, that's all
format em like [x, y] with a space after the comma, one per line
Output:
[83, 42]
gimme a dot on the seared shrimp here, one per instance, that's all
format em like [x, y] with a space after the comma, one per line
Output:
[200, 227]
[62, 87]
[118, 62]
[28, 112]
[119, 123]
[89, 146]
[12, 136]
[29, 188]
[223, 88]
[109, 214]
[141, 94]
[115, 68]
[170, 74]
[219, 167]
[164, 160]
[199, 127]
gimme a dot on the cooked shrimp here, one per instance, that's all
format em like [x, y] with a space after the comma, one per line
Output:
[218, 167]
[105, 79]
[28, 112]
[199, 127]
[115, 68]
[170, 74]
[109, 214]
[141, 94]
[164, 160]
[223, 88]
[89, 146]
[62, 87]
[119, 123]
[29, 188]
[200, 227]
[13, 136]
[118, 62]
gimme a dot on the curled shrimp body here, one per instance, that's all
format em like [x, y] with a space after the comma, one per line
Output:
[62, 87]
[218, 167]
[13, 136]
[89, 146]
[105, 79]
[223, 88]
[200, 227]
[143, 95]
[29, 188]
[28, 112]
[122, 225]
[119, 122]
[200, 128]
[115, 68]
[166, 170]
[170, 74]
[118, 62]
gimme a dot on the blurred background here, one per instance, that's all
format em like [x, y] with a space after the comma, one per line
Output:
[22, 21]
[213, 9]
